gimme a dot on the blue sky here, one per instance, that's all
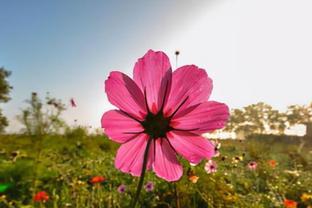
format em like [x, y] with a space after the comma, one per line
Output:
[253, 50]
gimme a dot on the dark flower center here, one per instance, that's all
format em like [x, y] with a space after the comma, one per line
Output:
[156, 125]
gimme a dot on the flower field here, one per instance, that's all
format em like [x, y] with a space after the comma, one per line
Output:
[78, 171]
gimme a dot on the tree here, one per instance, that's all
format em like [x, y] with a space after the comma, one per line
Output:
[277, 121]
[301, 114]
[257, 118]
[42, 118]
[5, 89]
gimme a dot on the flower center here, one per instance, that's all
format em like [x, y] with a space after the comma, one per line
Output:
[156, 125]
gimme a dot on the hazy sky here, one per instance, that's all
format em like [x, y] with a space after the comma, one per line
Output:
[253, 50]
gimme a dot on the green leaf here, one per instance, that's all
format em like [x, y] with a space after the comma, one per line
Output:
[4, 187]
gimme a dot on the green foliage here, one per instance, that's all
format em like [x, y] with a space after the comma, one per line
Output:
[5, 89]
[299, 114]
[63, 168]
[42, 118]
[3, 122]
[79, 132]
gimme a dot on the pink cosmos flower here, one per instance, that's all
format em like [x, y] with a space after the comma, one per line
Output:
[252, 165]
[170, 110]
[211, 166]
[149, 186]
[122, 188]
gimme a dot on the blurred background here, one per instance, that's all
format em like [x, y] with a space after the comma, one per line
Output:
[255, 51]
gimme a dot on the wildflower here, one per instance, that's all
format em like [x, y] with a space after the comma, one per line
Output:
[237, 159]
[272, 163]
[122, 188]
[73, 103]
[252, 165]
[290, 203]
[211, 166]
[97, 179]
[306, 197]
[193, 178]
[41, 196]
[149, 186]
[161, 114]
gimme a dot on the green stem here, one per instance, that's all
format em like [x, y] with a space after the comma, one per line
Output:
[176, 195]
[140, 184]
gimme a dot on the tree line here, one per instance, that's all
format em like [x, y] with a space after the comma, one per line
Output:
[262, 118]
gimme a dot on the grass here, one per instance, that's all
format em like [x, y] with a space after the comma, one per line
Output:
[62, 166]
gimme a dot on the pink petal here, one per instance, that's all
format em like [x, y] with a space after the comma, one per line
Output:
[192, 147]
[203, 118]
[152, 73]
[125, 94]
[189, 83]
[119, 127]
[130, 155]
[166, 165]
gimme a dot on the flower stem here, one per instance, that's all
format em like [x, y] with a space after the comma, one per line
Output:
[140, 184]
[176, 196]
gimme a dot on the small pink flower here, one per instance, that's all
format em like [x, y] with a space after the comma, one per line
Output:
[252, 165]
[211, 166]
[122, 188]
[170, 110]
[149, 186]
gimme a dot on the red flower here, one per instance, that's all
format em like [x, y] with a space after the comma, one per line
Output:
[290, 203]
[41, 196]
[97, 179]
